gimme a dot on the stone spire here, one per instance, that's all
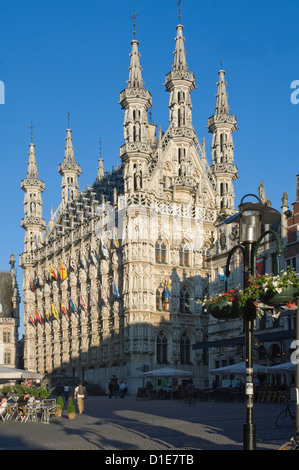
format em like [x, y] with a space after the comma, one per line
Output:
[139, 133]
[69, 170]
[135, 78]
[180, 82]
[32, 222]
[221, 97]
[101, 172]
[222, 124]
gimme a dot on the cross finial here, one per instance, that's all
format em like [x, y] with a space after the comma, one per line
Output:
[31, 131]
[133, 17]
[100, 142]
[179, 8]
[68, 120]
[221, 64]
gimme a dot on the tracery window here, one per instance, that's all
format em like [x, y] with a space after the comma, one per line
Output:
[162, 345]
[160, 252]
[185, 349]
[184, 300]
[184, 254]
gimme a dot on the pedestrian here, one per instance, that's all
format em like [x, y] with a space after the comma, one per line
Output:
[122, 390]
[111, 388]
[116, 390]
[80, 395]
[66, 392]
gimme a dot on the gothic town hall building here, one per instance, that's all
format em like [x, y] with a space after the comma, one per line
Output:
[113, 281]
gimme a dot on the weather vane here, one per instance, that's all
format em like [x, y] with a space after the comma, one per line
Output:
[31, 131]
[68, 120]
[100, 142]
[133, 17]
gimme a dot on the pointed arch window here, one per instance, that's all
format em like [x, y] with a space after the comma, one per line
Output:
[162, 346]
[184, 300]
[185, 348]
[184, 253]
[160, 252]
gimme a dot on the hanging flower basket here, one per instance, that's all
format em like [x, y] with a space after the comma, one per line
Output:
[225, 309]
[225, 306]
[289, 294]
[275, 290]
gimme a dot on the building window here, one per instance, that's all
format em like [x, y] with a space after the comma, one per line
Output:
[184, 301]
[291, 263]
[160, 252]
[7, 357]
[6, 337]
[162, 302]
[184, 254]
[185, 349]
[161, 349]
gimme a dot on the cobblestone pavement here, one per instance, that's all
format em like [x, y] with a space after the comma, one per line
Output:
[128, 424]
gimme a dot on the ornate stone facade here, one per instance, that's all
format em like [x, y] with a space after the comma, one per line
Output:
[9, 316]
[123, 241]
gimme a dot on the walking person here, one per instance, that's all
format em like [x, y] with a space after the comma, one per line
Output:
[80, 395]
[111, 389]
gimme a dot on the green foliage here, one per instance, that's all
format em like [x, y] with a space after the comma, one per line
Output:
[36, 392]
[70, 406]
[60, 402]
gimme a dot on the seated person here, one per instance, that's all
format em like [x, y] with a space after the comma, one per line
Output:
[22, 401]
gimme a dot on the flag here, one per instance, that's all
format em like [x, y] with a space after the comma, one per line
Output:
[104, 249]
[168, 289]
[115, 291]
[63, 273]
[47, 315]
[83, 303]
[83, 260]
[52, 272]
[30, 318]
[54, 312]
[73, 306]
[64, 311]
[116, 242]
[259, 265]
[73, 264]
[32, 287]
[36, 280]
[38, 318]
[93, 256]
[104, 297]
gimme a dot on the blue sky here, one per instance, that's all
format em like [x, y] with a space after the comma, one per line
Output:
[72, 56]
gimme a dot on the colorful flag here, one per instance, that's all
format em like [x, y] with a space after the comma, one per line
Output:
[168, 289]
[30, 318]
[64, 311]
[63, 273]
[52, 272]
[73, 306]
[55, 312]
[104, 249]
[104, 297]
[116, 242]
[38, 318]
[47, 315]
[93, 256]
[83, 303]
[32, 287]
[115, 291]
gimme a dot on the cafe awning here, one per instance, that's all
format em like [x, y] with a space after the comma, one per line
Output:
[11, 373]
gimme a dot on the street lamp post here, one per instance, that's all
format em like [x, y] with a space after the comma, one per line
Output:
[251, 217]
